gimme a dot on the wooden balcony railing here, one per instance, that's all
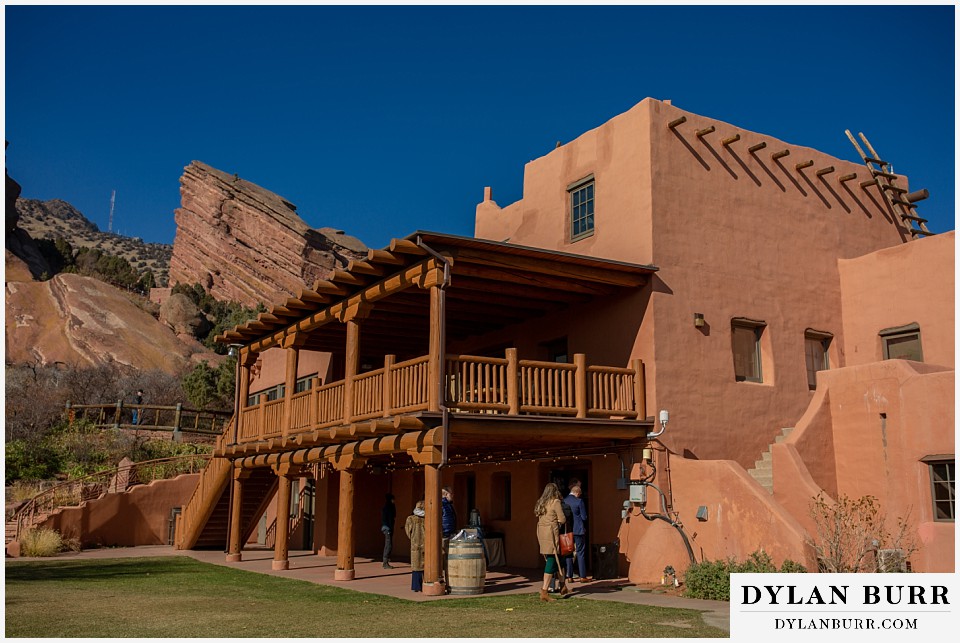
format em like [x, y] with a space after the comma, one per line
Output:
[472, 384]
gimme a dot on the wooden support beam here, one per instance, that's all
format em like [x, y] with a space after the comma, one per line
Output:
[421, 274]
[847, 177]
[706, 130]
[313, 297]
[804, 165]
[756, 148]
[604, 275]
[327, 287]
[867, 184]
[384, 257]
[343, 277]
[537, 280]
[406, 247]
[676, 122]
[780, 154]
[826, 170]
[730, 140]
[281, 558]
[365, 268]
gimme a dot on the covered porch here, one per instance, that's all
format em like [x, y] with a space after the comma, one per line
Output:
[425, 374]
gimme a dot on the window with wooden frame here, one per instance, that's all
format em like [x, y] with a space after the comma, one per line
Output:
[902, 342]
[816, 346]
[581, 207]
[746, 349]
[942, 486]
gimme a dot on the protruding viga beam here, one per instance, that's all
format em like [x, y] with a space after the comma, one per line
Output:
[422, 274]
[382, 445]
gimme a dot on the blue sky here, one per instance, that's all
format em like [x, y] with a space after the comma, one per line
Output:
[383, 120]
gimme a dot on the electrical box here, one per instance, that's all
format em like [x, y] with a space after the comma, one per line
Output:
[638, 492]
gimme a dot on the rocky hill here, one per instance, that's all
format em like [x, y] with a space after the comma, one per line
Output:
[244, 243]
[80, 321]
[57, 218]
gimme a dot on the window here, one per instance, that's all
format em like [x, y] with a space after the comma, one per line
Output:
[581, 208]
[902, 342]
[942, 489]
[304, 383]
[556, 351]
[816, 346]
[500, 501]
[746, 349]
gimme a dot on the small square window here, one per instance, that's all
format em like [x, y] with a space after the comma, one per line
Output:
[746, 349]
[816, 347]
[902, 342]
[581, 208]
[943, 490]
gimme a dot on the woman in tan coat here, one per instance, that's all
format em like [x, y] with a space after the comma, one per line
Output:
[414, 529]
[549, 512]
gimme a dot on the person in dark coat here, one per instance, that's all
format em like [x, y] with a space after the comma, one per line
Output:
[388, 516]
[579, 511]
[448, 524]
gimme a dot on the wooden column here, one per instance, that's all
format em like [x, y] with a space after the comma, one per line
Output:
[432, 546]
[236, 510]
[292, 344]
[388, 362]
[513, 382]
[247, 359]
[640, 389]
[347, 466]
[435, 360]
[352, 318]
[281, 549]
[580, 384]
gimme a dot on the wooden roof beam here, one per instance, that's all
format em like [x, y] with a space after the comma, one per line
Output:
[539, 280]
[343, 277]
[406, 247]
[365, 268]
[605, 275]
[384, 257]
[313, 297]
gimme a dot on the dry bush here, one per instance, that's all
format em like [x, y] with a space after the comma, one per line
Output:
[850, 534]
[40, 543]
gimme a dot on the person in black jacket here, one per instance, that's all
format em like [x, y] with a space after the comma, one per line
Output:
[388, 516]
[448, 524]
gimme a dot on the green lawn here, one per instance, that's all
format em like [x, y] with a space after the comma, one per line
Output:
[181, 597]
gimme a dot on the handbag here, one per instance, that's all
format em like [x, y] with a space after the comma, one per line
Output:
[566, 544]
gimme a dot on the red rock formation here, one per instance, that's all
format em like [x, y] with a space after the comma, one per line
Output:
[81, 321]
[245, 243]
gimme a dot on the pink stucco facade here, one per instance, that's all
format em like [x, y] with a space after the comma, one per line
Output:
[735, 234]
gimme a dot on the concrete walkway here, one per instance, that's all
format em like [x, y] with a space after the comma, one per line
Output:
[372, 578]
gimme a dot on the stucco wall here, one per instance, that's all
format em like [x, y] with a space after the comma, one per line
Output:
[741, 518]
[139, 516]
[271, 368]
[884, 418]
[899, 286]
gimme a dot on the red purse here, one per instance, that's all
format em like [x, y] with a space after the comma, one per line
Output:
[566, 544]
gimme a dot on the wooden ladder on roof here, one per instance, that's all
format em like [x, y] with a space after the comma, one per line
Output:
[896, 197]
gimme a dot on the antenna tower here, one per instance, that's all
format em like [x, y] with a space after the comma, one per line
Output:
[113, 199]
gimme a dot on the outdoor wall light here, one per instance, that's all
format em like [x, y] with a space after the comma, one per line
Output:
[702, 513]
[698, 320]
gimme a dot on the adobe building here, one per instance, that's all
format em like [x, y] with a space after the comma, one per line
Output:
[789, 309]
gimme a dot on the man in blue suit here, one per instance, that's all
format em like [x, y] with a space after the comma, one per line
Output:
[579, 510]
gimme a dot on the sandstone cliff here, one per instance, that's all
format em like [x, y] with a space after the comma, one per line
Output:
[81, 321]
[247, 244]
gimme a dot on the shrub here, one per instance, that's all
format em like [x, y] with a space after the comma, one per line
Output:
[41, 542]
[711, 579]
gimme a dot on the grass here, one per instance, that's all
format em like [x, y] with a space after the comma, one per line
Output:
[180, 597]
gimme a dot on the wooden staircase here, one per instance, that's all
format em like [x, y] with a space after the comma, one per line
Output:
[204, 523]
[762, 470]
[897, 198]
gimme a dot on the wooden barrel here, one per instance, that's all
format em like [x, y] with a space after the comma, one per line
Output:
[466, 567]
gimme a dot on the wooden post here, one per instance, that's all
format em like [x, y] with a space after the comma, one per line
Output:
[347, 467]
[177, 418]
[236, 509]
[513, 382]
[281, 558]
[292, 345]
[245, 364]
[435, 361]
[639, 389]
[262, 416]
[430, 458]
[116, 417]
[388, 362]
[351, 364]
[580, 384]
